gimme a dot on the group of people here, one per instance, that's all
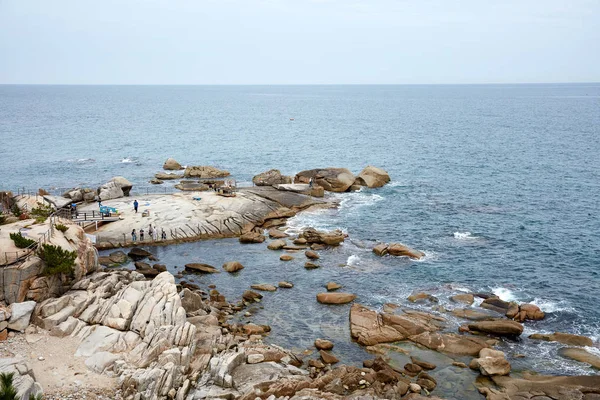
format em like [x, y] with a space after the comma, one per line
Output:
[152, 233]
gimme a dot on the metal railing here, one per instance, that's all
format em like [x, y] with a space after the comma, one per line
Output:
[11, 257]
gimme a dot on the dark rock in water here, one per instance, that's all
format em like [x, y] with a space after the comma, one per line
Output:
[233, 266]
[118, 257]
[333, 238]
[465, 298]
[148, 272]
[285, 285]
[528, 312]
[107, 262]
[141, 265]
[252, 237]
[309, 265]
[276, 244]
[311, 254]
[277, 234]
[484, 295]
[138, 254]
[331, 286]
[497, 327]
[474, 315]
[381, 249]
[323, 344]
[400, 250]
[421, 363]
[565, 338]
[496, 304]
[205, 268]
[421, 297]
[265, 287]
[327, 357]
[249, 295]
[160, 267]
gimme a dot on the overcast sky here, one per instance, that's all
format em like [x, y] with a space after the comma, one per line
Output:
[298, 41]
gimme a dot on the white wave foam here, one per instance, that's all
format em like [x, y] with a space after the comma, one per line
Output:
[464, 236]
[358, 199]
[311, 218]
[548, 306]
[82, 160]
[127, 160]
[353, 260]
[429, 256]
[504, 294]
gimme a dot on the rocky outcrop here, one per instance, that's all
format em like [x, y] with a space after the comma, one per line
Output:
[397, 250]
[123, 183]
[78, 195]
[233, 266]
[331, 179]
[204, 172]
[110, 190]
[167, 177]
[134, 328]
[270, 178]
[526, 312]
[171, 165]
[464, 298]
[581, 355]
[491, 362]
[200, 267]
[372, 177]
[252, 237]
[333, 238]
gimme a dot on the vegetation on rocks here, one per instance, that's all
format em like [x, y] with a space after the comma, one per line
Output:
[41, 213]
[61, 227]
[57, 259]
[20, 241]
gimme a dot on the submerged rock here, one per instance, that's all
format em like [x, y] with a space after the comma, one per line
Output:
[200, 267]
[137, 253]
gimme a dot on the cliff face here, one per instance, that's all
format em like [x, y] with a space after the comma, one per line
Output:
[25, 280]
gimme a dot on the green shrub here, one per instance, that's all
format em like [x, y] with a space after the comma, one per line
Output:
[61, 227]
[2, 218]
[21, 241]
[41, 213]
[7, 389]
[16, 210]
[57, 259]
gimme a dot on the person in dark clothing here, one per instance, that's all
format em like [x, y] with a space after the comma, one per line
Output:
[163, 234]
[135, 205]
[141, 234]
[133, 235]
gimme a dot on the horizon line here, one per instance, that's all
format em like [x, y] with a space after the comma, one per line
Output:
[302, 84]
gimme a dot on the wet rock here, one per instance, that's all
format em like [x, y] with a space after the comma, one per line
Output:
[264, 287]
[565, 338]
[309, 265]
[381, 249]
[171, 165]
[118, 257]
[412, 369]
[331, 286]
[300, 241]
[323, 344]
[450, 343]
[270, 178]
[400, 250]
[372, 177]
[138, 254]
[466, 298]
[233, 266]
[311, 254]
[529, 312]
[422, 297]
[491, 362]
[423, 364]
[331, 179]
[252, 237]
[253, 329]
[285, 285]
[333, 238]
[200, 267]
[327, 357]
[249, 295]
[496, 304]
[276, 244]
[335, 298]
[497, 327]
[581, 355]
[474, 315]
[277, 234]
[286, 257]
[316, 364]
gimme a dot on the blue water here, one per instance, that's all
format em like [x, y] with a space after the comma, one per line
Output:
[516, 166]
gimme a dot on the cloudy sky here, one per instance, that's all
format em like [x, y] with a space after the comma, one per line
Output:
[298, 41]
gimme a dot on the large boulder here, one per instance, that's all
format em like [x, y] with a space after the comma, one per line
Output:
[400, 250]
[500, 327]
[171, 165]
[20, 314]
[166, 177]
[581, 355]
[565, 338]
[332, 238]
[331, 179]
[204, 172]
[372, 177]
[110, 190]
[252, 237]
[123, 183]
[232, 266]
[270, 178]
[335, 298]
[491, 362]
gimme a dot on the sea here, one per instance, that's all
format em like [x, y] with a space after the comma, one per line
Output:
[499, 185]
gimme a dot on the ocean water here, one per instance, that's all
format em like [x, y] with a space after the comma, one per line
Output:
[498, 184]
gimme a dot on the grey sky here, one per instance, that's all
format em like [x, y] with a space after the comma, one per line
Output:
[298, 41]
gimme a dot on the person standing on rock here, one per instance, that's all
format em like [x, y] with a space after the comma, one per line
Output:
[135, 205]
[163, 234]
[155, 234]
[142, 235]
[150, 232]
[133, 236]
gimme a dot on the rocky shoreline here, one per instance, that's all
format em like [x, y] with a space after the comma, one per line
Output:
[156, 336]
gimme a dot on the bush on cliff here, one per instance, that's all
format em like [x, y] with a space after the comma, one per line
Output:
[41, 213]
[21, 242]
[57, 259]
[61, 227]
